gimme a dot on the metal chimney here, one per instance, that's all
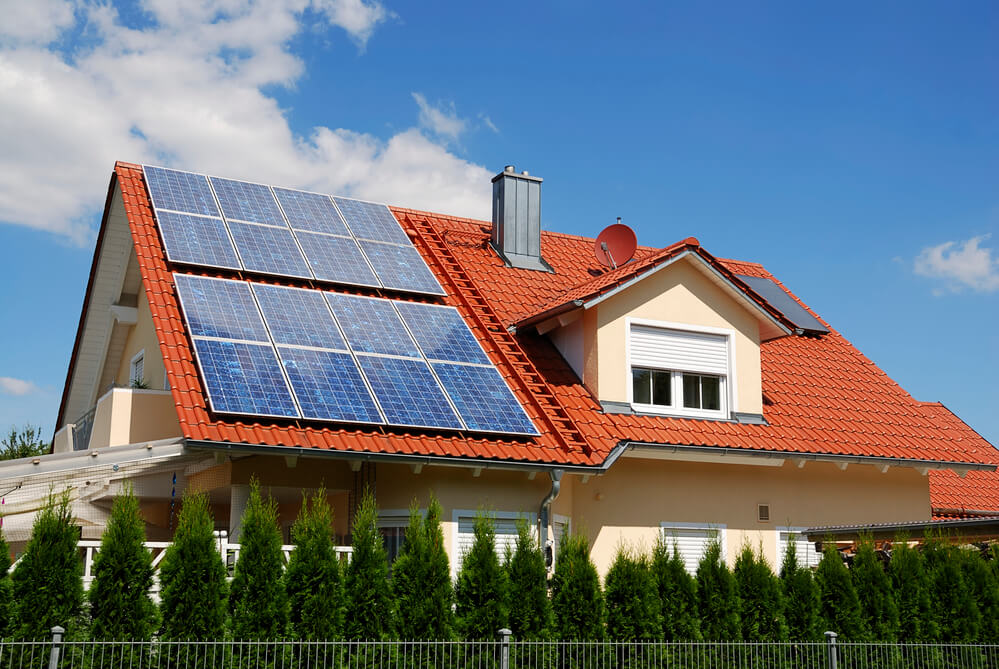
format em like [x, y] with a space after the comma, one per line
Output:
[517, 219]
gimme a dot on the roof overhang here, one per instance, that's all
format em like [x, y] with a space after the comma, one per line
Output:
[770, 326]
[961, 529]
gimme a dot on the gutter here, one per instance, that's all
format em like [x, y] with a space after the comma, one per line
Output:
[544, 516]
[985, 513]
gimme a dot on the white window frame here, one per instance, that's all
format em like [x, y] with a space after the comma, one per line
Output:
[458, 514]
[780, 553]
[395, 518]
[728, 382]
[141, 355]
[720, 528]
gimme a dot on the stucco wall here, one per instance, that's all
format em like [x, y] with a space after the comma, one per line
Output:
[127, 416]
[142, 338]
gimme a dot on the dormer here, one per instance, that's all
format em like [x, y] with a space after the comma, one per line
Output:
[674, 334]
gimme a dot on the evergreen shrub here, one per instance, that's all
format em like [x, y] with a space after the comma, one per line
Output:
[633, 607]
[761, 600]
[840, 608]
[577, 601]
[717, 599]
[802, 601]
[530, 608]
[481, 592]
[369, 596]
[677, 593]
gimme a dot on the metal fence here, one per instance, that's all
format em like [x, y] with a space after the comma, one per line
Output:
[504, 653]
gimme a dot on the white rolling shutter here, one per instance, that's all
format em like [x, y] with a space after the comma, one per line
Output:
[690, 542]
[506, 535]
[558, 531]
[804, 550]
[679, 350]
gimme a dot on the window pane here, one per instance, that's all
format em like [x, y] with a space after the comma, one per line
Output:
[641, 383]
[711, 392]
[661, 388]
[691, 391]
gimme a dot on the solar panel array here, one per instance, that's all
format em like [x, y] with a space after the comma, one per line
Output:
[782, 302]
[288, 352]
[238, 225]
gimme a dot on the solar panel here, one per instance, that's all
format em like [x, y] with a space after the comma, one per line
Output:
[328, 385]
[483, 399]
[180, 191]
[441, 333]
[372, 326]
[219, 308]
[247, 202]
[298, 317]
[408, 393]
[368, 220]
[401, 268]
[244, 378]
[197, 240]
[269, 250]
[784, 303]
[337, 259]
[311, 212]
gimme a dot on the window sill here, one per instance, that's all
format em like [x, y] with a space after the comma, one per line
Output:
[642, 410]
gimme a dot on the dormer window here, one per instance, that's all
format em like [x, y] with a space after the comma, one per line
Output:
[682, 372]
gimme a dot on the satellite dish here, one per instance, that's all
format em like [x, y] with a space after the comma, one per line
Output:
[615, 245]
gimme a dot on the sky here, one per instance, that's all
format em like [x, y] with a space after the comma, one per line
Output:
[852, 148]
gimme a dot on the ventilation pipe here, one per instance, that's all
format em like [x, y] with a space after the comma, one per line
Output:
[516, 234]
[544, 517]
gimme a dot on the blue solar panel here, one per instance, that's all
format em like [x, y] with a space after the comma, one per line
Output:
[180, 191]
[298, 317]
[311, 212]
[337, 259]
[401, 268]
[368, 220]
[784, 303]
[441, 333]
[219, 308]
[408, 393]
[269, 250]
[244, 378]
[328, 385]
[197, 240]
[247, 202]
[372, 325]
[483, 399]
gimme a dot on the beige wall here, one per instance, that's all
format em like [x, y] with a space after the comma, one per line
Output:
[680, 293]
[127, 416]
[142, 337]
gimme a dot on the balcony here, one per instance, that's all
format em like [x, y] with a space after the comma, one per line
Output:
[121, 416]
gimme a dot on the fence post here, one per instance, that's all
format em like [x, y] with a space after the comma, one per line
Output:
[831, 647]
[57, 633]
[504, 635]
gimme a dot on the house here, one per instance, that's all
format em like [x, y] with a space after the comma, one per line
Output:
[676, 392]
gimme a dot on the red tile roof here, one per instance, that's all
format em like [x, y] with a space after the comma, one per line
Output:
[822, 396]
[953, 496]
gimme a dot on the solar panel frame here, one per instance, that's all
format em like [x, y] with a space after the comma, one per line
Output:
[483, 399]
[371, 221]
[780, 300]
[346, 264]
[203, 319]
[213, 354]
[401, 268]
[321, 389]
[403, 397]
[167, 188]
[268, 249]
[298, 317]
[364, 322]
[247, 201]
[432, 324]
[311, 212]
[197, 240]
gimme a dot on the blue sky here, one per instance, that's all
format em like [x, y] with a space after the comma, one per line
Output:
[852, 149]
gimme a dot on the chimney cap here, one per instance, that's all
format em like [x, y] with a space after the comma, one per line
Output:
[510, 172]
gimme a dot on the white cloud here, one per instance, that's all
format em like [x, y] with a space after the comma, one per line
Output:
[188, 90]
[441, 119]
[16, 387]
[961, 265]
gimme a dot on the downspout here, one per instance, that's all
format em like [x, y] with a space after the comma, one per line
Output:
[544, 514]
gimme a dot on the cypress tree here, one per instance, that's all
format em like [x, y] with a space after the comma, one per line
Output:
[258, 602]
[633, 607]
[984, 589]
[878, 610]
[48, 582]
[438, 589]
[677, 593]
[6, 595]
[193, 588]
[481, 592]
[409, 572]
[840, 605]
[802, 601]
[717, 599]
[369, 595]
[577, 602]
[120, 605]
[761, 602]
[957, 614]
[911, 585]
[313, 579]
[530, 608]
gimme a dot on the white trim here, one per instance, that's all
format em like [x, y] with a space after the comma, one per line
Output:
[719, 528]
[729, 382]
